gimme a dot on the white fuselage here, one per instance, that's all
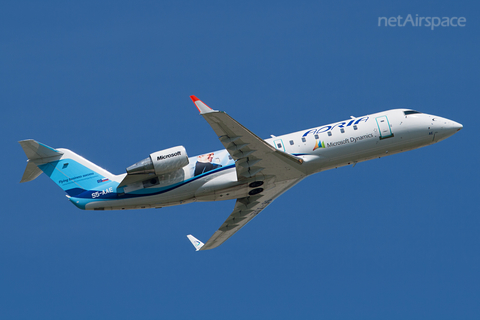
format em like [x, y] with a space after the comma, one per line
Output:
[322, 148]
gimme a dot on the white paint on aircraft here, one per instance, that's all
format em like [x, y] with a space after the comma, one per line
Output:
[251, 170]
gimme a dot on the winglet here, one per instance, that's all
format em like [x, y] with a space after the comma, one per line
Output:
[196, 243]
[202, 107]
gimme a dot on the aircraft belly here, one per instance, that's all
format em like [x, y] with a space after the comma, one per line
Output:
[145, 202]
[235, 192]
[222, 187]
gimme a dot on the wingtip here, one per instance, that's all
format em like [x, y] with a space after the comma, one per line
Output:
[196, 243]
[201, 106]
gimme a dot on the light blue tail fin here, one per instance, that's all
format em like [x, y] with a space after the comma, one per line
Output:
[71, 172]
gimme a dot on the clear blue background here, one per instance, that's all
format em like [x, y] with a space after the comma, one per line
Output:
[392, 238]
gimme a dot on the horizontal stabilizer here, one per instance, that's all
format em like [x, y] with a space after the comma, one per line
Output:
[31, 172]
[196, 243]
[36, 150]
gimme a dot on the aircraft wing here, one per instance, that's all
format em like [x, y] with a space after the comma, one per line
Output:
[253, 156]
[245, 210]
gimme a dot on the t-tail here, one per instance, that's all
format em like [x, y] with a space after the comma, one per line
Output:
[82, 180]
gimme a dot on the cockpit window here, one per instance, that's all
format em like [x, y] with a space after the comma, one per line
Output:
[410, 112]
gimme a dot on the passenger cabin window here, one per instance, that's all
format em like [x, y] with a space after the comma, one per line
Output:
[291, 142]
[303, 139]
[355, 127]
[342, 130]
[410, 112]
[316, 136]
[329, 133]
[279, 145]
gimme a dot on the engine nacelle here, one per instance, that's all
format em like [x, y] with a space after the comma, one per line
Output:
[161, 162]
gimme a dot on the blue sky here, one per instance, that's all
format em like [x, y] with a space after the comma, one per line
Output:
[395, 238]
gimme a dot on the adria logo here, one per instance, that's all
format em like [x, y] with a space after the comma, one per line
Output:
[339, 125]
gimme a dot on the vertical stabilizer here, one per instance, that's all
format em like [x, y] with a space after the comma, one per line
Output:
[71, 172]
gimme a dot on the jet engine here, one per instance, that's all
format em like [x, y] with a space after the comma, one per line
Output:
[161, 162]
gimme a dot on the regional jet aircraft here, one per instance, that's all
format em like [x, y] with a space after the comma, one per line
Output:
[250, 170]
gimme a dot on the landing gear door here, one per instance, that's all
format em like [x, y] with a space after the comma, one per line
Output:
[384, 127]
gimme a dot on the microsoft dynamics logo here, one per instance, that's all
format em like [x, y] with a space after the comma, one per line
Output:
[319, 144]
[432, 22]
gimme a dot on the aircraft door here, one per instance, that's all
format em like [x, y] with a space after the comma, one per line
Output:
[279, 145]
[384, 127]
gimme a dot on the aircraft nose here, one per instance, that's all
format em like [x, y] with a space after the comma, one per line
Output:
[451, 127]
[455, 126]
[446, 129]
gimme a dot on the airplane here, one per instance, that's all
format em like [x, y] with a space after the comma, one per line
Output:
[250, 170]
